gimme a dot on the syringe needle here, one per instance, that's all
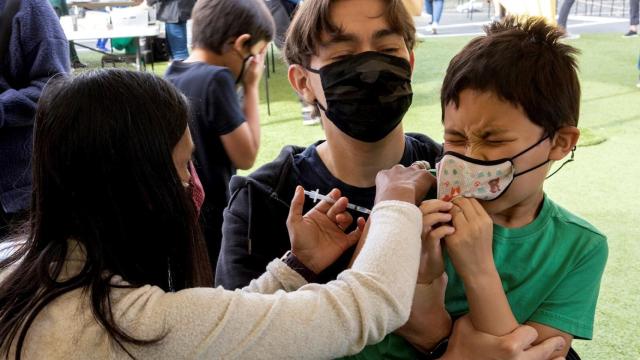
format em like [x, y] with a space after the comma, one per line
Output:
[315, 195]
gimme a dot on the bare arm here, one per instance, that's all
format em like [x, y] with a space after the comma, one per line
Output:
[243, 143]
[546, 332]
[470, 248]
[467, 343]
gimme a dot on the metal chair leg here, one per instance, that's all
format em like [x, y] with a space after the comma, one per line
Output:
[273, 58]
[266, 84]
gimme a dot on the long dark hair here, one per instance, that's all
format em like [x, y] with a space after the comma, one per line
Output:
[103, 175]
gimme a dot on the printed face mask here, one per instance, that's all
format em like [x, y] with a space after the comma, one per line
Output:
[459, 175]
[367, 94]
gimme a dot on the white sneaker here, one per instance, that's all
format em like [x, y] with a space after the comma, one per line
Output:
[638, 83]
[434, 28]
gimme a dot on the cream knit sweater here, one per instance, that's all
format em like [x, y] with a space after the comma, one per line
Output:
[265, 320]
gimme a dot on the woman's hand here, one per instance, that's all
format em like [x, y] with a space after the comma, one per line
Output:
[409, 184]
[317, 238]
[467, 343]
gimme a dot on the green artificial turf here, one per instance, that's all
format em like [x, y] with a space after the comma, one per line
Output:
[602, 185]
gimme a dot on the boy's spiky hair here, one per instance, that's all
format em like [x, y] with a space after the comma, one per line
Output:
[522, 61]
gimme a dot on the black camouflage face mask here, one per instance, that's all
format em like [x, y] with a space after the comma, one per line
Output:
[367, 94]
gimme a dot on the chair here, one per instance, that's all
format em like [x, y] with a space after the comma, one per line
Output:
[270, 64]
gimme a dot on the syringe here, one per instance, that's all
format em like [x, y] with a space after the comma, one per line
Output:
[315, 195]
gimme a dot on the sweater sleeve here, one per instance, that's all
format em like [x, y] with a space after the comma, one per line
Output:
[39, 51]
[316, 321]
[239, 262]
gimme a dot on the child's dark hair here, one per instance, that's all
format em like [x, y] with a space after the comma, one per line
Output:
[216, 22]
[522, 61]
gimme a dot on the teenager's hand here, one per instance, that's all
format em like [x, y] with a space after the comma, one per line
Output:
[470, 246]
[466, 343]
[317, 238]
[429, 321]
[254, 70]
[435, 226]
[405, 184]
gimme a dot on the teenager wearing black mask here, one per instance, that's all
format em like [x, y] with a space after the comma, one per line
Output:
[359, 77]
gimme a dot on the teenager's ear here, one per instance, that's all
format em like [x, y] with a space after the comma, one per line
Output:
[240, 44]
[299, 80]
[563, 142]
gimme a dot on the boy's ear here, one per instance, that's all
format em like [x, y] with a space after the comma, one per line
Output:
[240, 43]
[563, 142]
[299, 80]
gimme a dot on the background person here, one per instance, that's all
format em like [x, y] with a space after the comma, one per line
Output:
[634, 18]
[230, 39]
[33, 50]
[174, 14]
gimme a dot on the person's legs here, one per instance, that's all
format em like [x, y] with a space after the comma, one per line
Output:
[634, 18]
[438, 7]
[428, 7]
[564, 14]
[177, 39]
[436, 11]
[73, 55]
[634, 11]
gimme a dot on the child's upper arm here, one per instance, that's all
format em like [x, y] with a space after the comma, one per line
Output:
[545, 332]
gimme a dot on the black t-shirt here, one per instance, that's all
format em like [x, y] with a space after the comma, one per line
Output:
[313, 174]
[215, 112]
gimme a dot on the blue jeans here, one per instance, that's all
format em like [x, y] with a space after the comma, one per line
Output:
[177, 39]
[434, 8]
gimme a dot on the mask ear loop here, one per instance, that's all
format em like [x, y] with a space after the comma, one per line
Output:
[573, 153]
[316, 102]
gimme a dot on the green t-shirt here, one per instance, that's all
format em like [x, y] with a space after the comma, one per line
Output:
[550, 271]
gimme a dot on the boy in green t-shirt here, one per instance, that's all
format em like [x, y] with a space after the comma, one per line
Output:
[510, 104]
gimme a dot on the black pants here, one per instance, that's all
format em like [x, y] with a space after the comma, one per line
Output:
[634, 12]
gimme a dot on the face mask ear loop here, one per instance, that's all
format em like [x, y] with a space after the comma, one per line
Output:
[316, 102]
[573, 153]
[531, 147]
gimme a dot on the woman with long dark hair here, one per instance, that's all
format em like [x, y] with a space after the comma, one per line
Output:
[113, 264]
